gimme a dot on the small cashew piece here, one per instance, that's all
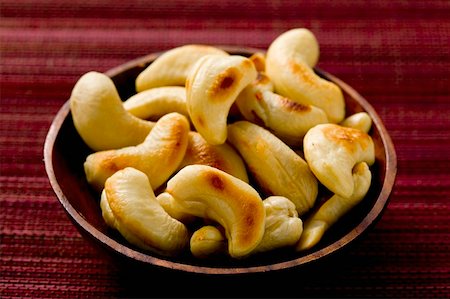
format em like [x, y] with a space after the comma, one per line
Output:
[289, 61]
[222, 156]
[335, 208]
[360, 121]
[283, 227]
[128, 204]
[276, 167]
[211, 89]
[173, 66]
[170, 205]
[210, 193]
[158, 156]
[99, 116]
[155, 102]
[332, 151]
[208, 241]
[273, 111]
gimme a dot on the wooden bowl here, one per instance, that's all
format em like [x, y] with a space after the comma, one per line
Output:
[65, 152]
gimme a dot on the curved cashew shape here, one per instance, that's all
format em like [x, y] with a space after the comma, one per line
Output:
[156, 102]
[170, 205]
[276, 167]
[208, 241]
[259, 60]
[210, 193]
[158, 156]
[99, 116]
[289, 61]
[222, 156]
[332, 151]
[129, 205]
[360, 121]
[211, 88]
[173, 66]
[283, 227]
[335, 208]
[272, 110]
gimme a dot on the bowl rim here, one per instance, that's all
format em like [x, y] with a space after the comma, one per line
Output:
[373, 215]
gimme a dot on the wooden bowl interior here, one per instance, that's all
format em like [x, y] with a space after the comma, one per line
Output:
[65, 153]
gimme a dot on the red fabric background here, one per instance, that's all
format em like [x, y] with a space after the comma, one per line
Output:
[395, 53]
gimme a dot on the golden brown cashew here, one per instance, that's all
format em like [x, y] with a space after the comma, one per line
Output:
[158, 156]
[173, 66]
[211, 89]
[222, 156]
[360, 121]
[332, 151]
[129, 205]
[155, 102]
[276, 167]
[208, 241]
[99, 116]
[210, 193]
[288, 120]
[335, 208]
[289, 63]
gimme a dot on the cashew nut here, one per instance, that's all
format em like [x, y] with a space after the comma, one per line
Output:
[155, 102]
[208, 241]
[210, 193]
[158, 156]
[335, 208]
[99, 116]
[222, 156]
[170, 205]
[128, 204]
[332, 151]
[360, 121]
[259, 60]
[272, 110]
[172, 67]
[276, 167]
[289, 61]
[211, 89]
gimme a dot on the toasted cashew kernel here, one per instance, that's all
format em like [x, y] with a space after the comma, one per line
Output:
[158, 156]
[99, 116]
[286, 119]
[360, 121]
[289, 62]
[211, 89]
[155, 102]
[169, 204]
[332, 151]
[129, 205]
[208, 241]
[283, 227]
[222, 156]
[335, 208]
[277, 169]
[210, 193]
[172, 67]
[259, 60]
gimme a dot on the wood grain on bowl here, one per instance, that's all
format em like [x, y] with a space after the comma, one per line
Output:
[65, 152]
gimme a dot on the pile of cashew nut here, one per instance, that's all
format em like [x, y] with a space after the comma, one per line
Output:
[222, 155]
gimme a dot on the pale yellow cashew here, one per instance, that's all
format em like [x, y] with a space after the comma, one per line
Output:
[170, 205]
[158, 156]
[332, 151]
[287, 119]
[335, 208]
[283, 227]
[289, 61]
[211, 89]
[173, 66]
[222, 156]
[153, 103]
[99, 116]
[208, 241]
[360, 121]
[277, 169]
[210, 193]
[129, 205]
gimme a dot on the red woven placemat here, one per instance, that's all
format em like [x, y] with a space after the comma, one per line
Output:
[395, 53]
